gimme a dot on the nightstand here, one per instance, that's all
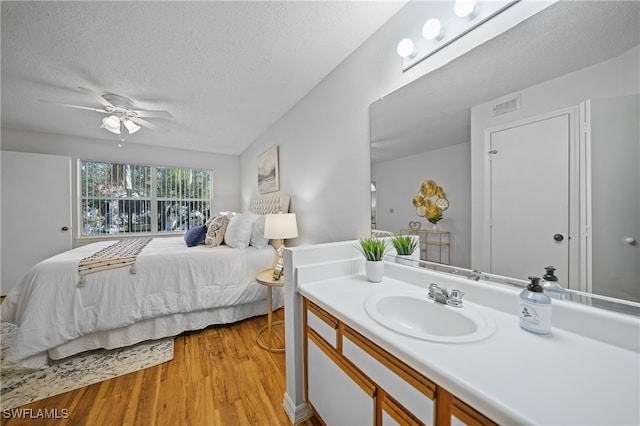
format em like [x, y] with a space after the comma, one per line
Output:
[266, 278]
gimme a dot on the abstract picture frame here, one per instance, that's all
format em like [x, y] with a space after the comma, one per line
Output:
[268, 171]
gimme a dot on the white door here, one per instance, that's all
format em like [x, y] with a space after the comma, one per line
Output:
[529, 193]
[615, 192]
[36, 212]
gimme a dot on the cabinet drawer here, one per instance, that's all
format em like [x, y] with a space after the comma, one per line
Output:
[325, 325]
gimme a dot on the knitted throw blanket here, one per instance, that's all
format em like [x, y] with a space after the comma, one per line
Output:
[123, 253]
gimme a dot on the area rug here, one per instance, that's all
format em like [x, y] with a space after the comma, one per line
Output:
[19, 388]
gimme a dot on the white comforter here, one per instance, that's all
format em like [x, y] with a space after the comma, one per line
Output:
[50, 309]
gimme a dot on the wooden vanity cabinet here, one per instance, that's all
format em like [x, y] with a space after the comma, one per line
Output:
[350, 380]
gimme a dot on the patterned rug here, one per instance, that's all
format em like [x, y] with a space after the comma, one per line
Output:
[19, 388]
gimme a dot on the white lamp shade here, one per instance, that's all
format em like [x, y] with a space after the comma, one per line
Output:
[280, 226]
[112, 124]
[131, 126]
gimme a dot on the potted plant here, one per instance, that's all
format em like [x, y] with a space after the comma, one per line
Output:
[405, 245]
[373, 250]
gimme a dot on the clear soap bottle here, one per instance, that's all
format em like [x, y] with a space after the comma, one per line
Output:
[550, 284]
[535, 308]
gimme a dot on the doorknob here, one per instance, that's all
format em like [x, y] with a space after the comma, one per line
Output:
[558, 237]
[64, 228]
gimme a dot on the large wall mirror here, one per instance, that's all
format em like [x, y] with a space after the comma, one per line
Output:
[535, 135]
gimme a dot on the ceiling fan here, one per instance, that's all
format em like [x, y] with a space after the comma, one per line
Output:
[121, 113]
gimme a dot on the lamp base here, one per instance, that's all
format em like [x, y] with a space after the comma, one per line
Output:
[278, 268]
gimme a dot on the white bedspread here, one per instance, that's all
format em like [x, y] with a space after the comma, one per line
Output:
[50, 309]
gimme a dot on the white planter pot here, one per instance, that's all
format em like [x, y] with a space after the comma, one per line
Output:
[404, 259]
[374, 270]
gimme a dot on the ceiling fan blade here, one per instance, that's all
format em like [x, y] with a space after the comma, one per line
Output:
[144, 123]
[76, 106]
[98, 97]
[153, 114]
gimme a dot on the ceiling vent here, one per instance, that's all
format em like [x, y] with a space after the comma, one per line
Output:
[504, 106]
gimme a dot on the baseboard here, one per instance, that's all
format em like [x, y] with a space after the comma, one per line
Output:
[296, 414]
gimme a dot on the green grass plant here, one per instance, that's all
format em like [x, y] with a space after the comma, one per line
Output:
[373, 248]
[404, 244]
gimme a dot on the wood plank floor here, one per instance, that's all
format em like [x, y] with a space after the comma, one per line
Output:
[218, 376]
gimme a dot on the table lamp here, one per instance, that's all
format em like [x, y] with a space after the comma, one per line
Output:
[280, 227]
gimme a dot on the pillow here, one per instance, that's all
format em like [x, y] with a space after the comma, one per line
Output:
[257, 232]
[238, 233]
[215, 230]
[195, 236]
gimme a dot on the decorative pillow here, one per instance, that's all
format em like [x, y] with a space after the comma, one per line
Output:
[238, 233]
[257, 232]
[195, 236]
[215, 230]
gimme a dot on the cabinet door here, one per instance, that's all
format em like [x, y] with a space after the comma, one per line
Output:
[410, 392]
[338, 393]
[36, 211]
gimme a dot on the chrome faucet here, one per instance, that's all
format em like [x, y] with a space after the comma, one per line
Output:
[442, 295]
[474, 275]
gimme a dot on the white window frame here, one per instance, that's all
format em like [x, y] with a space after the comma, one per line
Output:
[153, 201]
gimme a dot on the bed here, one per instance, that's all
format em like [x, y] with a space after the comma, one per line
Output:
[169, 289]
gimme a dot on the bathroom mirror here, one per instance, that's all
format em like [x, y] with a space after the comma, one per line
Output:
[568, 59]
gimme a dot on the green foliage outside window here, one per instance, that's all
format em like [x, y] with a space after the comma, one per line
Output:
[125, 198]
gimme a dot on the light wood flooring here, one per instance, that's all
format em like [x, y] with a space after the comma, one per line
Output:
[218, 376]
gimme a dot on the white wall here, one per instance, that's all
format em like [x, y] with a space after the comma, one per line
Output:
[324, 139]
[398, 181]
[226, 168]
[615, 77]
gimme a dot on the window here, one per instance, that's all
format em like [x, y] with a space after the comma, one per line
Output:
[119, 199]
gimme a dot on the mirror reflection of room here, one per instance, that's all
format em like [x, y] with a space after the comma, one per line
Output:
[538, 149]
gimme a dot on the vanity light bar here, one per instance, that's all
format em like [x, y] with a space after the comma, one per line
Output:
[439, 32]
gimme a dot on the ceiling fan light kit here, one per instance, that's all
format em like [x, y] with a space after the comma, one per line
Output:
[121, 112]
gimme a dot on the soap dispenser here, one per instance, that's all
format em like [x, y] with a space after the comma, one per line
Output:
[535, 308]
[550, 284]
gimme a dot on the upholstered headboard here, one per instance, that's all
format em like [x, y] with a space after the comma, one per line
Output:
[270, 204]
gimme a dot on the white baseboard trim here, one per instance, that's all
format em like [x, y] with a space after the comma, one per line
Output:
[297, 414]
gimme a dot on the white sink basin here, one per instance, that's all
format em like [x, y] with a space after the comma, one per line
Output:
[411, 313]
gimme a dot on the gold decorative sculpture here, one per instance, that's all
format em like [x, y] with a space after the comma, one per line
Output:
[431, 202]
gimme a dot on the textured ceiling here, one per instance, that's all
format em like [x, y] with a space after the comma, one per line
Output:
[434, 111]
[225, 70]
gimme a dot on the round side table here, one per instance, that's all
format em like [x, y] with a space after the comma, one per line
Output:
[266, 278]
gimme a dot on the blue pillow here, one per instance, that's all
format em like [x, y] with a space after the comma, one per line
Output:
[195, 236]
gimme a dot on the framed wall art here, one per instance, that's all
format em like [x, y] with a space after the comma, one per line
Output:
[268, 173]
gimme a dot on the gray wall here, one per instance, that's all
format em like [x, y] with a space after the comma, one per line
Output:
[226, 168]
[609, 78]
[398, 181]
[324, 139]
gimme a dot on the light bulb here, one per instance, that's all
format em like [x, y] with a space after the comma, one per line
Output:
[432, 30]
[467, 8]
[406, 48]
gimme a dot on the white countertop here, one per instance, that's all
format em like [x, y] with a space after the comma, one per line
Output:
[513, 377]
